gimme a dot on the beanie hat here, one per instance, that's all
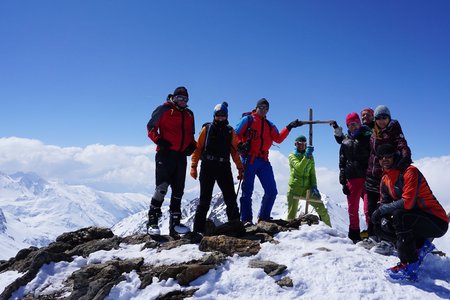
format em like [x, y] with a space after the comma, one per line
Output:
[352, 118]
[381, 111]
[300, 138]
[221, 109]
[180, 91]
[262, 101]
[367, 109]
[386, 150]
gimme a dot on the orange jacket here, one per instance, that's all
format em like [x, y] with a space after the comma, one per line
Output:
[412, 187]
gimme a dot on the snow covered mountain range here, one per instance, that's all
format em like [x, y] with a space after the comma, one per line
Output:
[34, 211]
[321, 261]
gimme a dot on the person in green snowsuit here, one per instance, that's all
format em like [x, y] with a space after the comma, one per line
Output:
[303, 178]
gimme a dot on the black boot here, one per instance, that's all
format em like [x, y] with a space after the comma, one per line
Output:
[152, 224]
[354, 235]
[175, 226]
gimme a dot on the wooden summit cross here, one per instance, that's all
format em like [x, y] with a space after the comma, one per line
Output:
[310, 143]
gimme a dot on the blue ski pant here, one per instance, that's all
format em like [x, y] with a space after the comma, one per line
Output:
[263, 169]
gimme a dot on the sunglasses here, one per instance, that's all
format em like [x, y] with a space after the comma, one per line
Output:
[220, 115]
[263, 107]
[386, 156]
[180, 98]
[381, 118]
[300, 143]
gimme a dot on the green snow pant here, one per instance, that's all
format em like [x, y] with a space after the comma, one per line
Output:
[318, 205]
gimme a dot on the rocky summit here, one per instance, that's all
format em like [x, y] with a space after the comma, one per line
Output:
[95, 280]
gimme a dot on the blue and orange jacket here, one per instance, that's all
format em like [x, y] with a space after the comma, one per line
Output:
[412, 187]
[261, 134]
[174, 125]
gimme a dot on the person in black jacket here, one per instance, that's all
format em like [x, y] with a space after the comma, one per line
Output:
[171, 127]
[353, 161]
[216, 143]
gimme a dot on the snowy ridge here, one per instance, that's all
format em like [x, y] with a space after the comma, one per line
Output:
[33, 211]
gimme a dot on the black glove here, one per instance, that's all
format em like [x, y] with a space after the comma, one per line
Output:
[345, 190]
[334, 124]
[190, 149]
[404, 163]
[376, 216]
[243, 148]
[342, 179]
[294, 124]
[163, 144]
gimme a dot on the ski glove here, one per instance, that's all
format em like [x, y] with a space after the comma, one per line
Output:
[194, 172]
[243, 148]
[404, 163]
[294, 124]
[309, 151]
[342, 179]
[163, 144]
[345, 189]
[315, 192]
[190, 149]
[386, 209]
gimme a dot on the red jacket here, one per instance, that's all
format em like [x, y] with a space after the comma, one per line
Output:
[173, 125]
[262, 134]
[412, 187]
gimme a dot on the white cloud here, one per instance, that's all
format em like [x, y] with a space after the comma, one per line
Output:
[132, 169]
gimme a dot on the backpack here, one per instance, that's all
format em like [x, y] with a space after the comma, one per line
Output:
[251, 132]
[208, 130]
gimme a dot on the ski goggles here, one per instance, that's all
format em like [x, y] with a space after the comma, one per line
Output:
[382, 117]
[180, 98]
[263, 107]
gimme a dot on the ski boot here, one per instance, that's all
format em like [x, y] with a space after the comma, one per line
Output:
[152, 224]
[175, 227]
[403, 271]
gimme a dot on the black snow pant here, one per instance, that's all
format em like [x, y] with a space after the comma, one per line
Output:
[170, 170]
[408, 229]
[210, 172]
[372, 204]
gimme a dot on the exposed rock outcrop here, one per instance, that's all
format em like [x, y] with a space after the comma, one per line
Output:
[95, 280]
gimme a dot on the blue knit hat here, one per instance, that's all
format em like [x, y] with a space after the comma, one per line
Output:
[221, 109]
[382, 111]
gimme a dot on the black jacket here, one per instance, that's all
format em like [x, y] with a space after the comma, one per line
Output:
[354, 154]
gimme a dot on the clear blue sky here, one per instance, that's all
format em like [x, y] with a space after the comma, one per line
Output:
[74, 73]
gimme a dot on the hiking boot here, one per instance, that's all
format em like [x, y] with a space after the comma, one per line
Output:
[175, 227]
[404, 271]
[152, 224]
[364, 234]
[368, 243]
[426, 248]
[384, 248]
[354, 235]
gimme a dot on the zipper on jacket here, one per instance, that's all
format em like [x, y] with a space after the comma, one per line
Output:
[261, 135]
[182, 131]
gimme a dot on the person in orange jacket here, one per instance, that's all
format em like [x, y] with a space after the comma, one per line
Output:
[409, 214]
[216, 143]
[172, 129]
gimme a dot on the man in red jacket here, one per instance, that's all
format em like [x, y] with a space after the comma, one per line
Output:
[409, 214]
[256, 135]
[172, 129]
